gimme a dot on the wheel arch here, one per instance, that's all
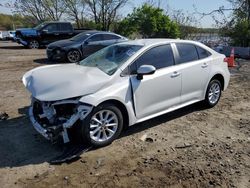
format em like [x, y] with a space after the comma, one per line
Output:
[220, 78]
[121, 107]
[74, 48]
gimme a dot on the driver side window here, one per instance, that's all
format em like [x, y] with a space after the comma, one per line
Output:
[160, 57]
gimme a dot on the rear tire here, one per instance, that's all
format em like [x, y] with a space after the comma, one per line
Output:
[103, 125]
[213, 93]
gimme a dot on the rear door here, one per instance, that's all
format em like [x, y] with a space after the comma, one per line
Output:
[66, 31]
[194, 63]
[159, 91]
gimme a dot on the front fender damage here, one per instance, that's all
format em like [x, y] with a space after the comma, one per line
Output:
[53, 119]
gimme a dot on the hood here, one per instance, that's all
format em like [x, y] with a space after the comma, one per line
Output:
[62, 43]
[57, 82]
[28, 31]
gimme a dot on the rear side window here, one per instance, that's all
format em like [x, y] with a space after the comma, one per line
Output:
[51, 27]
[97, 37]
[65, 27]
[187, 53]
[159, 57]
[110, 37]
[202, 52]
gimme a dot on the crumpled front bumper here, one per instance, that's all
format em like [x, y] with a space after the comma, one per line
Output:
[37, 126]
[20, 41]
[54, 131]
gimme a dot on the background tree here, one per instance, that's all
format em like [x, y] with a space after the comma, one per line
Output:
[237, 26]
[104, 12]
[33, 8]
[54, 8]
[75, 10]
[187, 22]
[149, 22]
[11, 22]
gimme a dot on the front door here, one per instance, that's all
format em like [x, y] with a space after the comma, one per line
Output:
[159, 91]
[50, 33]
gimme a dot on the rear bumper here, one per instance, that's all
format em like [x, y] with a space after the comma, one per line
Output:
[226, 79]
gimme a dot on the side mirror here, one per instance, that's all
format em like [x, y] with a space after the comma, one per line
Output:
[45, 31]
[145, 70]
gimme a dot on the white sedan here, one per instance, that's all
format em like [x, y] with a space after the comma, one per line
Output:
[122, 85]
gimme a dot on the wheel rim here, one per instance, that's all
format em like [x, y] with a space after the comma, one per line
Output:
[73, 56]
[214, 93]
[103, 125]
[34, 44]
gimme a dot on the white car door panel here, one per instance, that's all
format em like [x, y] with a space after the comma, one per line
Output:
[156, 92]
[195, 68]
[194, 79]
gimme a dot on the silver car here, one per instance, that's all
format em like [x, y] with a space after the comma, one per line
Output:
[122, 85]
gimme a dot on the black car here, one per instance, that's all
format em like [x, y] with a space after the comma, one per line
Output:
[82, 45]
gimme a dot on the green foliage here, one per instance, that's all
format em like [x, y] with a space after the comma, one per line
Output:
[148, 21]
[239, 33]
[11, 22]
[238, 28]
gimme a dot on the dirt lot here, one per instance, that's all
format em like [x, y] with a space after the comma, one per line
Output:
[191, 147]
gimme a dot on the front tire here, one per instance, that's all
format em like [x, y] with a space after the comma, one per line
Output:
[213, 93]
[33, 44]
[74, 56]
[103, 125]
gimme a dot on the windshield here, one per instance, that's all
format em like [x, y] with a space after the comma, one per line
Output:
[40, 26]
[110, 58]
[81, 36]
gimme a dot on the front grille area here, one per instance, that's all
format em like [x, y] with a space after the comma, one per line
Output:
[63, 112]
[38, 110]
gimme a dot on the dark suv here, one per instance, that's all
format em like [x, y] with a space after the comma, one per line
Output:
[82, 45]
[46, 33]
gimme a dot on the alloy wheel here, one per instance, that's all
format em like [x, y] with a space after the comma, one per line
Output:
[34, 44]
[73, 56]
[214, 93]
[103, 125]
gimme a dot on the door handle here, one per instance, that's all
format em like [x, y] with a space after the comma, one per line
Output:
[204, 65]
[56, 33]
[175, 74]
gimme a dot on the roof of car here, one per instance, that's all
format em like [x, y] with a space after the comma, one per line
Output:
[149, 42]
[96, 31]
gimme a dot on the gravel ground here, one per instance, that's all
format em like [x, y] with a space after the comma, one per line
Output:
[191, 147]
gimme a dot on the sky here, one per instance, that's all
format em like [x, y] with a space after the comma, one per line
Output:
[203, 6]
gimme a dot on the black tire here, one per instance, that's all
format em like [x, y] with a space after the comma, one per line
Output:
[33, 44]
[85, 128]
[74, 56]
[208, 102]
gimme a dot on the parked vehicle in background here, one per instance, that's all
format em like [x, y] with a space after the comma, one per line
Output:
[239, 52]
[82, 45]
[3, 35]
[11, 35]
[45, 33]
[123, 84]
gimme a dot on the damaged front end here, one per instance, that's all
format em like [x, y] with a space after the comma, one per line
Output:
[53, 119]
